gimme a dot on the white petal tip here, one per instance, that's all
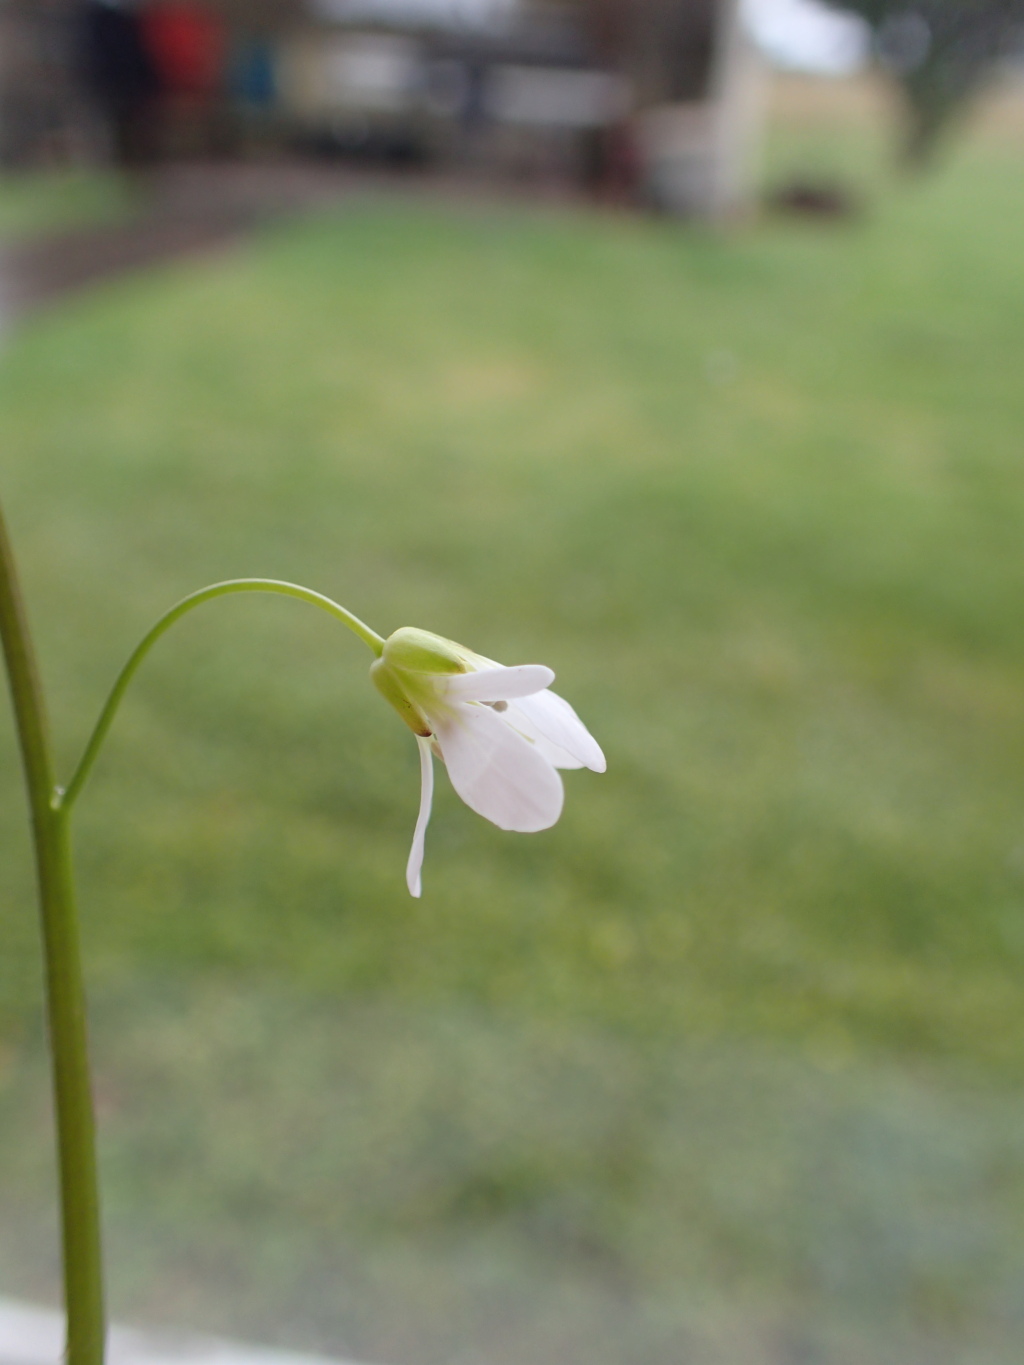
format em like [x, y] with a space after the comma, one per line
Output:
[414, 882]
[531, 828]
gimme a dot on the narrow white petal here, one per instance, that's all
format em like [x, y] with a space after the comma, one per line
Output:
[498, 684]
[498, 772]
[415, 864]
[557, 730]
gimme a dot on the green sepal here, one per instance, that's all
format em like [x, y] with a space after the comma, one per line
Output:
[420, 651]
[391, 689]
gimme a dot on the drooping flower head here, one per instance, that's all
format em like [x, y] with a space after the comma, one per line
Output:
[500, 732]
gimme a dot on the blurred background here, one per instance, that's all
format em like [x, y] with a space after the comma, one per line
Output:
[678, 347]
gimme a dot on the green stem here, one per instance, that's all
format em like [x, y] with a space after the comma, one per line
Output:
[51, 810]
[83, 1273]
[63, 800]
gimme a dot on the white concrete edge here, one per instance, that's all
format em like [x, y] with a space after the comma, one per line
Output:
[35, 1336]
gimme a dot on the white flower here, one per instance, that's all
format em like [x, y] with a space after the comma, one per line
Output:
[500, 732]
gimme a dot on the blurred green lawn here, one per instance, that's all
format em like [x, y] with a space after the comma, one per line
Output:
[729, 1062]
[33, 203]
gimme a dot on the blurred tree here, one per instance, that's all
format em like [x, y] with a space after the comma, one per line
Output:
[941, 53]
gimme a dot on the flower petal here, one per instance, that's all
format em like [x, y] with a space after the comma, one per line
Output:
[498, 772]
[415, 864]
[557, 730]
[497, 684]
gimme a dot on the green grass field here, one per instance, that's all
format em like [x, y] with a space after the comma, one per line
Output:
[728, 1066]
[32, 204]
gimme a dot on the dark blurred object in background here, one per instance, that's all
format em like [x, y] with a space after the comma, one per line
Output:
[120, 73]
[44, 114]
[819, 199]
[251, 81]
[187, 44]
[941, 53]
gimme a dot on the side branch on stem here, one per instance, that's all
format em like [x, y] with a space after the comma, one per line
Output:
[64, 799]
[51, 808]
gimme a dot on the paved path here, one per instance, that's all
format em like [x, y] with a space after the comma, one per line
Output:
[199, 207]
[189, 209]
[35, 1336]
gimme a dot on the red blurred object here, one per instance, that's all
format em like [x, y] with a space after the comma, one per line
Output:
[187, 46]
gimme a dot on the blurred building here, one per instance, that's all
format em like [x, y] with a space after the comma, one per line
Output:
[45, 115]
[696, 82]
[638, 99]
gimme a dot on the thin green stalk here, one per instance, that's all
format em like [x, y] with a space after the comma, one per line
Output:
[50, 808]
[83, 1271]
[65, 799]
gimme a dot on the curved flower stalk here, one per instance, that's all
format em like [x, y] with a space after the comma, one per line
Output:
[501, 733]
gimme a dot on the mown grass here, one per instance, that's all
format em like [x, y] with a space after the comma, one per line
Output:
[731, 1057]
[33, 203]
